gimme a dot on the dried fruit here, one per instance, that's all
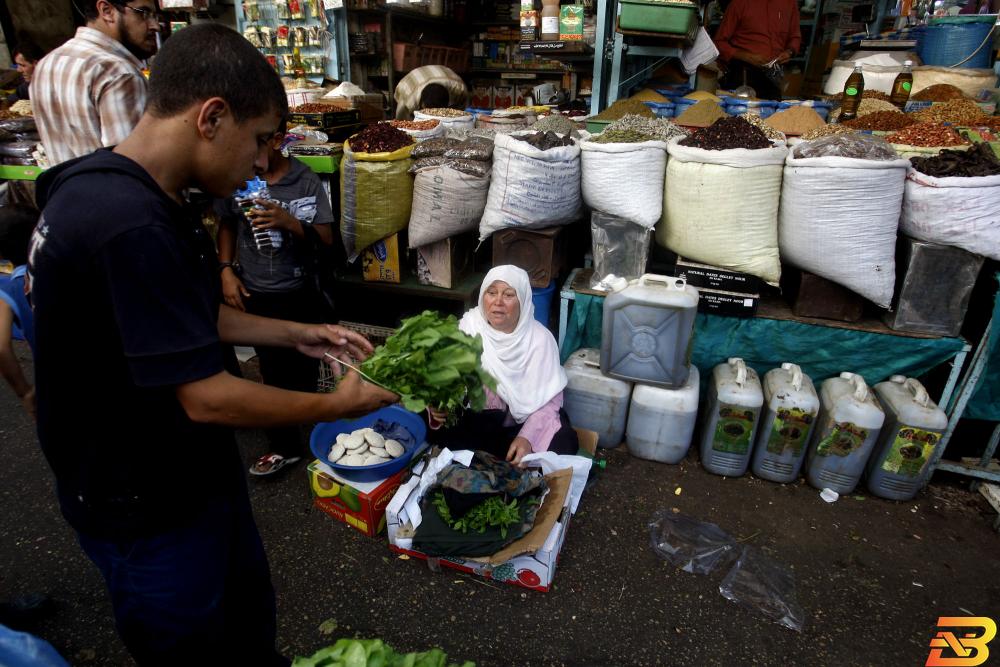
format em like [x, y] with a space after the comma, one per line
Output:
[927, 134]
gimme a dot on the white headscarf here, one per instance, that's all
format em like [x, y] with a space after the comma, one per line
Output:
[525, 362]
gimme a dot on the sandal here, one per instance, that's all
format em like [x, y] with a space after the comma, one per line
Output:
[270, 464]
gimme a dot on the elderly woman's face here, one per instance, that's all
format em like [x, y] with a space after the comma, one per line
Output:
[25, 66]
[501, 307]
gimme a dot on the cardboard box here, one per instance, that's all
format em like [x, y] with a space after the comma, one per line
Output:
[360, 505]
[503, 95]
[540, 252]
[380, 261]
[446, 262]
[529, 18]
[529, 34]
[529, 562]
[571, 23]
[370, 106]
[734, 304]
[481, 95]
[713, 277]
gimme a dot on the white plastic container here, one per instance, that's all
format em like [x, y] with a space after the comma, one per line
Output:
[848, 426]
[593, 400]
[648, 327]
[783, 436]
[661, 421]
[912, 431]
[732, 412]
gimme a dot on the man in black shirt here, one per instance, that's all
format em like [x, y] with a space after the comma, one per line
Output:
[134, 408]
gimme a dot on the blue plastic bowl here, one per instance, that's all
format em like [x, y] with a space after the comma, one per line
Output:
[325, 435]
[661, 109]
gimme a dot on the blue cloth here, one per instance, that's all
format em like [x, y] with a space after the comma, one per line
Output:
[200, 594]
[12, 293]
[20, 649]
[985, 403]
[822, 352]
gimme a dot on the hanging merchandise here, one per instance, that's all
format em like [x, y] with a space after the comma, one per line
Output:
[721, 207]
[376, 189]
[281, 36]
[531, 187]
[606, 167]
[962, 211]
[854, 246]
[281, 7]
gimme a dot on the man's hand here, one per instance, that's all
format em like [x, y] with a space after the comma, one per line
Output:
[437, 418]
[233, 289]
[519, 448]
[273, 216]
[356, 398]
[28, 402]
[750, 58]
[784, 57]
[319, 340]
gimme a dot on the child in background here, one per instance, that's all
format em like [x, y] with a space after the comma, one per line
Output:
[273, 280]
[16, 225]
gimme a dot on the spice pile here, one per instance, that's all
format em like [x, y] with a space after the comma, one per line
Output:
[881, 120]
[980, 160]
[728, 133]
[868, 106]
[796, 120]
[313, 107]
[827, 131]
[928, 135]
[544, 141]
[556, 123]
[415, 125]
[379, 138]
[444, 113]
[761, 124]
[939, 92]
[656, 129]
[649, 95]
[702, 114]
[624, 108]
[699, 95]
[472, 155]
[958, 112]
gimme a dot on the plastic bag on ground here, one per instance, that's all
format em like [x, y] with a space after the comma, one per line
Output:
[694, 546]
[446, 202]
[765, 586]
[376, 191]
[531, 188]
[606, 168]
[839, 218]
[620, 247]
[721, 208]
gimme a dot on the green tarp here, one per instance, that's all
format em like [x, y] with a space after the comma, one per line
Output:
[985, 403]
[822, 352]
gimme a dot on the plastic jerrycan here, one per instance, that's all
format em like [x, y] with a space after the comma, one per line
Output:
[648, 330]
[593, 400]
[849, 422]
[661, 421]
[898, 469]
[791, 406]
[731, 416]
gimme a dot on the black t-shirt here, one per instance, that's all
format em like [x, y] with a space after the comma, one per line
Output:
[126, 297]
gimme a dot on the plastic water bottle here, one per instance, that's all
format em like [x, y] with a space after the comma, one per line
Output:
[267, 240]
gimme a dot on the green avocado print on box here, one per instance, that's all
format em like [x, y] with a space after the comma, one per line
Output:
[790, 431]
[843, 439]
[911, 449]
[734, 429]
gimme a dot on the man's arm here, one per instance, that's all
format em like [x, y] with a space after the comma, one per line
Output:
[120, 104]
[233, 289]
[727, 29]
[230, 401]
[10, 369]
[794, 32]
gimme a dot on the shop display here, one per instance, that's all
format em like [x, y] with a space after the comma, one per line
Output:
[726, 134]
[556, 123]
[761, 124]
[624, 108]
[927, 134]
[852, 246]
[939, 92]
[880, 120]
[865, 107]
[544, 141]
[434, 147]
[701, 114]
[796, 120]
[790, 408]
[376, 190]
[961, 211]
[420, 130]
[659, 129]
[980, 160]
[721, 204]
[515, 200]
[732, 412]
[650, 95]
[619, 156]
[956, 112]
[827, 130]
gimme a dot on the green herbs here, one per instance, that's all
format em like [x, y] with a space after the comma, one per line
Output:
[491, 513]
[374, 653]
[430, 362]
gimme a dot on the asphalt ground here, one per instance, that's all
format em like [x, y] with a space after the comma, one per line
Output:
[872, 576]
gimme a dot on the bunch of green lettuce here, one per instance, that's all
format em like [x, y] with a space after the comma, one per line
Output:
[431, 362]
[374, 653]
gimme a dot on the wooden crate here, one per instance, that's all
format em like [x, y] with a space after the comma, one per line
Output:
[540, 252]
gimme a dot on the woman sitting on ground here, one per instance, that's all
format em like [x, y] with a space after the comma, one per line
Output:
[525, 414]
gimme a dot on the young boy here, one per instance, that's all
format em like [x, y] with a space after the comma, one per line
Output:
[16, 225]
[274, 282]
[139, 435]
